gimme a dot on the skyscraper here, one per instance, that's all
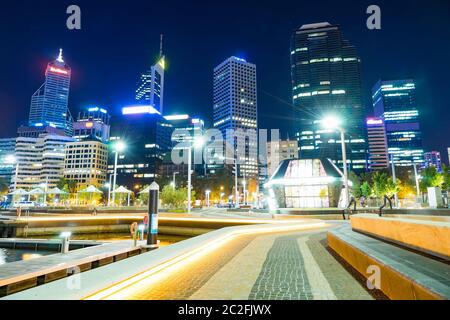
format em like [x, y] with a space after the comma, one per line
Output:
[7, 152]
[146, 135]
[49, 104]
[326, 80]
[395, 102]
[40, 155]
[235, 108]
[378, 150]
[92, 124]
[433, 159]
[150, 87]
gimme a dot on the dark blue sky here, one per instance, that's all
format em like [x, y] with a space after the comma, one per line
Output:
[120, 39]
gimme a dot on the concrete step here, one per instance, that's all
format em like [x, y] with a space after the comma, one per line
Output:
[404, 275]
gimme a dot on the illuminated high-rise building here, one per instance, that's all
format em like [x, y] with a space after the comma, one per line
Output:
[146, 135]
[7, 152]
[49, 104]
[92, 124]
[326, 81]
[395, 102]
[150, 87]
[378, 150]
[235, 108]
[433, 159]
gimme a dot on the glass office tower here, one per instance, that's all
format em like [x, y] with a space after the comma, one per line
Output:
[49, 104]
[326, 81]
[235, 108]
[395, 102]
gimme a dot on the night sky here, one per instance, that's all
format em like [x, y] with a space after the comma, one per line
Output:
[120, 39]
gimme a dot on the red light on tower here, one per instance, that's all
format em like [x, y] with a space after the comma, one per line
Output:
[58, 70]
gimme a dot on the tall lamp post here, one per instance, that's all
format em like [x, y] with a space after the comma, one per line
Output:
[394, 179]
[333, 123]
[174, 181]
[207, 192]
[118, 147]
[197, 143]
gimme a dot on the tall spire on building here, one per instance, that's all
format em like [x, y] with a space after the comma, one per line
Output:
[60, 56]
[161, 46]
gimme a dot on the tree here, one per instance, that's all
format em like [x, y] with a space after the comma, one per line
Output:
[356, 182]
[4, 187]
[366, 190]
[446, 175]
[67, 185]
[431, 179]
[384, 185]
[175, 198]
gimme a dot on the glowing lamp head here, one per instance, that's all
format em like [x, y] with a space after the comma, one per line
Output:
[10, 159]
[119, 146]
[331, 122]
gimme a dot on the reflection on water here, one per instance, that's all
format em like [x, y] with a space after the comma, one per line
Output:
[165, 240]
[10, 255]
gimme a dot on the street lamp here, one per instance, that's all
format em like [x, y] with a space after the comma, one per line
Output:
[173, 181]
[108, 185]
[197, 143]
[334, 123]
[207, 192]
[118, 147]
[11, 159]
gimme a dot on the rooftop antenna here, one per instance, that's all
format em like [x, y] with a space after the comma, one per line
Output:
[60, 56]
[161, 46]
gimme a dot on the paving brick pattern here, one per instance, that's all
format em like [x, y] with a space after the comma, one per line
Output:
[343, 284]
[195, 274]
[283, 275]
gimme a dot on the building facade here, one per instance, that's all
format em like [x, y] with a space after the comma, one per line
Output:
[86, 162]
[49, 104]
[7, 152]
[92, 124]
[306, 183]
[236, 108]
[326, 81]
[433, 159]
[150, 87]
[278, 151]
[183, 130]
[40, 159]
[395, 102]
[378, 149]
[146, 135]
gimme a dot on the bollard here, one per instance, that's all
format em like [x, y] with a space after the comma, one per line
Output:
[153, 200]
[65, 242]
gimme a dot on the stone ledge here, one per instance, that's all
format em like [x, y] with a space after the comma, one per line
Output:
[432, 237]
[404, 275]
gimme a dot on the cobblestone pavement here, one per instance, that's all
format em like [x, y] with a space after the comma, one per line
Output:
[283, 275]
[289, 266]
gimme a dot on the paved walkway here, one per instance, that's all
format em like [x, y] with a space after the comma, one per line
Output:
[287, 266]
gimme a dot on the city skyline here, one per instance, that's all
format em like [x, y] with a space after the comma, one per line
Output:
[196, 97]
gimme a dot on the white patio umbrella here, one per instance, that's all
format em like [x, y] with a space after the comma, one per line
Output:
[35, 192]
[56, 190]
[90, 189]
[124, 190]
[20, 192]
